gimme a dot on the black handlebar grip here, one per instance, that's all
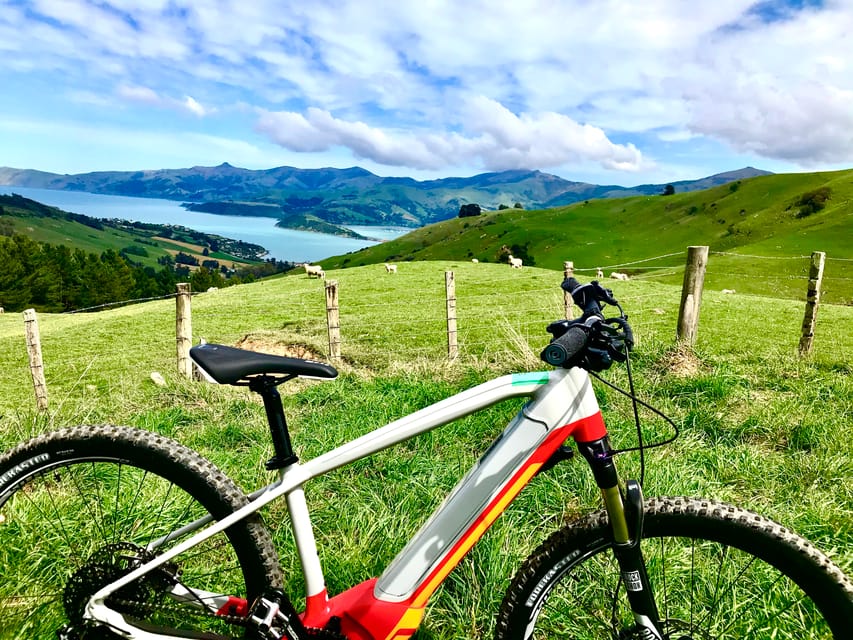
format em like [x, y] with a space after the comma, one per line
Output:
[566, 347]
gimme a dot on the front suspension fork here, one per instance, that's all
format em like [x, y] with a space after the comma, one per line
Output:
[625, 513]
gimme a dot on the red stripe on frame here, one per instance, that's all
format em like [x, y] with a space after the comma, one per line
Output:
[581, 430]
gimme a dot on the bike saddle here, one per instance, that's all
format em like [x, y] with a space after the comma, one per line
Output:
[230, 365]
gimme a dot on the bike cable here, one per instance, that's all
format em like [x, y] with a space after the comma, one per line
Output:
[635, 401]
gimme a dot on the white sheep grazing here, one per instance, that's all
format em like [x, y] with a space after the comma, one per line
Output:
[728, 291]
[390, 268]
[474, 260]
[314, 270]
[599, 273]
[619, 276]
[515, 263]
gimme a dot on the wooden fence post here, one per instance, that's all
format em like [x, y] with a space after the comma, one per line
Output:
[31, 328]
[184, 329]
[812, 302]
[450, 294]
[333, 319]
[568, 303]
[691, 294]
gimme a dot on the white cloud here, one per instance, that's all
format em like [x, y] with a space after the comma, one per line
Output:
[192, 105]
[147, 96]
[144, 95]
[493, 136]
[542, 83]
[790, 99]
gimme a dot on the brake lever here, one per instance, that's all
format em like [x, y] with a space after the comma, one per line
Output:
[603, 294]
[622, 337]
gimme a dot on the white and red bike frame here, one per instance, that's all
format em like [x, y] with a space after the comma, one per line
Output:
[562, 405]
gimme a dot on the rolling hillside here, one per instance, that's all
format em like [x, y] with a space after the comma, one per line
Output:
[762, 216]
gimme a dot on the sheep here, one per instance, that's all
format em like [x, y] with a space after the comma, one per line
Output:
[619, 276]
[599, 273]
[390, 268]
[474, 260]
[728, 291]
[315, 271]
[515, 263]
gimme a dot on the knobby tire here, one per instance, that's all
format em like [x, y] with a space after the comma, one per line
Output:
[718, 572]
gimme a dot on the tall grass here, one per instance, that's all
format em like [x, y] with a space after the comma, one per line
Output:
[760, 427]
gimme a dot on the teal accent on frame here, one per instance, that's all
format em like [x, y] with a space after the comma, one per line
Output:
[537, 377]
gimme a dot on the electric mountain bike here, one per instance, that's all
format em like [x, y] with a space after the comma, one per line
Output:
[111, 532]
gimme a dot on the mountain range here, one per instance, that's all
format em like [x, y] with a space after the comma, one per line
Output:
[345, 196]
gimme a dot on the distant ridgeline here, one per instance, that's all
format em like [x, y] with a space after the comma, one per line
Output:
[133, 260]
[342, 197]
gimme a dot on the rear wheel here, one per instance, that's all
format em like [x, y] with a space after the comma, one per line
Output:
[718, 572]
[81, 507]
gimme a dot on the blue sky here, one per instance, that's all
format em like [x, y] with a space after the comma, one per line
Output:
[604, 91]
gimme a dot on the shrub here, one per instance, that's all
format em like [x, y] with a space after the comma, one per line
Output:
[812, 201]
[135, 251]
[469, 210]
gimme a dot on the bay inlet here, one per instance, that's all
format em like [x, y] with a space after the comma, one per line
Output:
[282, 244]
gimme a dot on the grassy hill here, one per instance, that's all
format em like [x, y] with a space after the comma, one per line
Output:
[754, 217]
[760, 427]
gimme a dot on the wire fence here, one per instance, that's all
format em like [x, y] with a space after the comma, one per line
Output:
[502, 312]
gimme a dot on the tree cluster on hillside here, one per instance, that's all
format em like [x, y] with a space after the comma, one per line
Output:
[469, 210]
[56, 278]
[516, 251]
[812, 201]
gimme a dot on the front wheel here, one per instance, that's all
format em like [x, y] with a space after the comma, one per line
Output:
[718, 572]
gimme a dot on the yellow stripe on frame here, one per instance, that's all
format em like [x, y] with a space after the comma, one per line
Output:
[410, 620]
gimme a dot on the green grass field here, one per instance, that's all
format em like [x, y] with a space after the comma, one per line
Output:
[761, 428]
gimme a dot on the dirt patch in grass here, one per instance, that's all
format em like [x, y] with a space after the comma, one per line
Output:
[195, 248]
[266, 345]
[198, 251]
[681, 361]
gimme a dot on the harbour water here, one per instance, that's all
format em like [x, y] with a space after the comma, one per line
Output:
[282, 244]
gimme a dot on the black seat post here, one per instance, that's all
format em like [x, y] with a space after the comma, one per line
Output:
[266, 387]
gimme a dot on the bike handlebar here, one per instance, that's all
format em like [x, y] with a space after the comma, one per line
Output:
[590, 342]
